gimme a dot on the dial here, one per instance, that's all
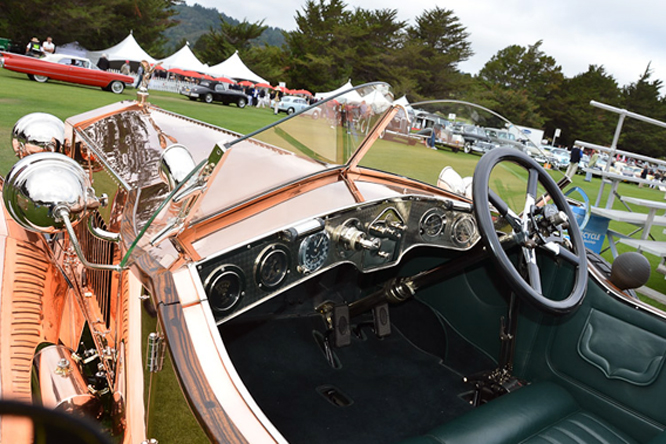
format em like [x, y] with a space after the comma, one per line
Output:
[432, 223]
[272, 267]
[313, 251]
[224, 288]
[464, 230]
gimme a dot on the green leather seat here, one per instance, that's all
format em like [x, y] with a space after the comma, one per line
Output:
[542, 413]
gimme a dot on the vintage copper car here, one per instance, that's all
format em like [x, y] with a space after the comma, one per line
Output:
[308, 284]
[65, 68]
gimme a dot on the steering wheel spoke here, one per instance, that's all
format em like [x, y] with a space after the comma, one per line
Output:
[528, 287]
[533, 273]
[560, 251]
[505, 211]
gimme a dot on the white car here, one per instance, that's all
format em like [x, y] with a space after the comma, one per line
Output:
[558, 156]
[291, 104]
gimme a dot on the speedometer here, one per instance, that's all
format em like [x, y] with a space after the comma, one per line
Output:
[464, 231]
[432, 223]
[313, 252]
[272, 267]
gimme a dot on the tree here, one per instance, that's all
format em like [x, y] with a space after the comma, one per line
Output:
[437, 44]
[95, 25]
[317, 46]
[219, 44]
[516, 67]
[642, 97]
[572, 113]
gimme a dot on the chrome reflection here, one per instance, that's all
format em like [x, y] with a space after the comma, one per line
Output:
[176, 163]
[61, 384]
[36, 133]
[38, 186]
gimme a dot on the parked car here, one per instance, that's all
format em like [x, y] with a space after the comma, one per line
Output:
[65, 68]
[558, 157]
[175, 281]
[402, 121]
[535, 153]
[504, 138]
[293, 104]
[423, 120]
[475, 137]
[210, 91]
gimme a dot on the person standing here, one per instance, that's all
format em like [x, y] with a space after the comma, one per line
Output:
[34, 49]
[48, 46]
[574, 158]
[593, 161]
[125, 69]
[139, 73]
[103, 63]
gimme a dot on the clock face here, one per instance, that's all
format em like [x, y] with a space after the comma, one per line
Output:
[313, 252]
[225, 288]
[464, 231]
[432, 223]
[272, 267]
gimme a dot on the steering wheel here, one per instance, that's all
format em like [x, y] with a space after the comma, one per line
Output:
[532, 230]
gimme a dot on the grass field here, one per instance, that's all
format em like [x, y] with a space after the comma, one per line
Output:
[20, 96]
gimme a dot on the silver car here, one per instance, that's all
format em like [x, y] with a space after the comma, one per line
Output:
[291, 104]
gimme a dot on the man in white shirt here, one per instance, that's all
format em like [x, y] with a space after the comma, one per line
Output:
[48, 46]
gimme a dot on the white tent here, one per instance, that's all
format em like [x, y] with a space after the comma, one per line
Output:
[128, 49]
[351, 96]
[402, 101]
[184, 59]
[378, 101]
[326, 95]
[234, 68]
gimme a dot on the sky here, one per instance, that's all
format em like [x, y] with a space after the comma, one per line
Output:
[623, 36]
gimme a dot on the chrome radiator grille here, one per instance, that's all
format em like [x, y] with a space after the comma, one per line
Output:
[97, 251]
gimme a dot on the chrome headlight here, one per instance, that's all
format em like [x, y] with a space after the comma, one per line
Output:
[36, 133]
[39, 187]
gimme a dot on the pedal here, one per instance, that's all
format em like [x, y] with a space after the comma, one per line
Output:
[381, 320]
[341, 327]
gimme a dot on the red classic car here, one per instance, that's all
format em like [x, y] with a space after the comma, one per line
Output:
[66, 68]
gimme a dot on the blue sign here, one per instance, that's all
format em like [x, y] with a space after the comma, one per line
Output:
[594, 232]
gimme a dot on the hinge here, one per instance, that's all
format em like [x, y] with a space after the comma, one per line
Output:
[155, 352]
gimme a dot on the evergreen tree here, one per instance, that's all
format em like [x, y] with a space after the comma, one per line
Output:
[95, 25]
[219, 44]
[516, 67]
[437, 44]
[319, 54]
[572, 113]
[642, 97]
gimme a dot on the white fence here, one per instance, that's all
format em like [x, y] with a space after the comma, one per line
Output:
[173, 86]
[160, 84]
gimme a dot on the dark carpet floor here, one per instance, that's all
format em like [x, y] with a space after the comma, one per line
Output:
[383, 391]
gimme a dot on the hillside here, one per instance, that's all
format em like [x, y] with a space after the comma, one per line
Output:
[196, 20]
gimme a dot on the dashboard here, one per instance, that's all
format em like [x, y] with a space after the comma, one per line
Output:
[370, 235]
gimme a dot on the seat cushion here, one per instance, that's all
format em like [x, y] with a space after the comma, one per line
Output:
[539, 413]
[580, 427]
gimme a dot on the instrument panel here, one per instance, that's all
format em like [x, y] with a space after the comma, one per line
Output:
[370, 235]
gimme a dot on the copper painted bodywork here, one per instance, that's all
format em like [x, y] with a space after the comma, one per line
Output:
[48, 297]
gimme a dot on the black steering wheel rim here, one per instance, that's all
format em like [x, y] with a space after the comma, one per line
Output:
[482, 196]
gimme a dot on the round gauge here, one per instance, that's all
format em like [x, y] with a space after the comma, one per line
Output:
[272, 267]
[313, 251]
[432, 223]
[464, 230]
[224, 288]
